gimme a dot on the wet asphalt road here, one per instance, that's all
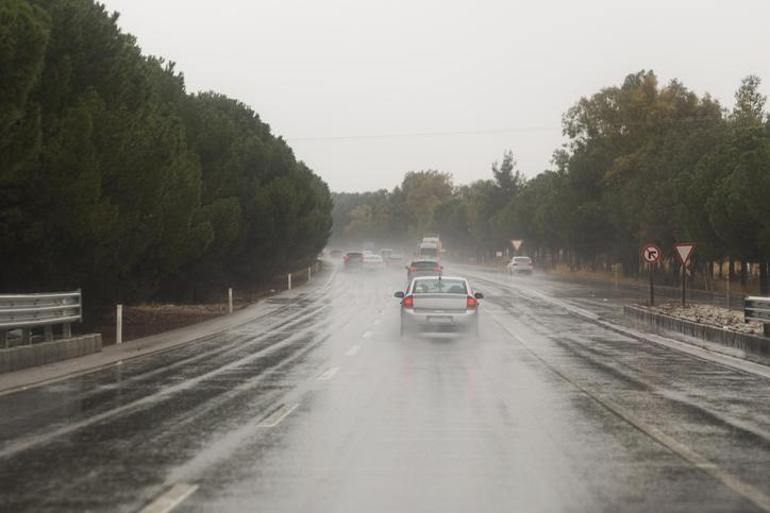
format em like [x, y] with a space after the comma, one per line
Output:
[324, 408]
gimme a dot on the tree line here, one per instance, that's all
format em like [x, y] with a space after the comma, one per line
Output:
[114, 179]
[643, 162]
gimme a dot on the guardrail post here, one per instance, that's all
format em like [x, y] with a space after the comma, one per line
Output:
[289, 282]
[309, 273]
[230, 300]
[26, 336]
[119, 325]
[48, 333]
[66, 330]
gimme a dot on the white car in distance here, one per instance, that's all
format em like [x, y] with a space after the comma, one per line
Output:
[373, 262]
[520, 265]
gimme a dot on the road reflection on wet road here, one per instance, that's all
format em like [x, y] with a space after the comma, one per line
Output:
[325, 407]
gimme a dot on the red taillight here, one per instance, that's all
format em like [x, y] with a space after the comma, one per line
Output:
[408, 302]
[437, 269]
[412, 269]
[471, 302]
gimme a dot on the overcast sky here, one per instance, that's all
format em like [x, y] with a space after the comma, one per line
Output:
[365, 91]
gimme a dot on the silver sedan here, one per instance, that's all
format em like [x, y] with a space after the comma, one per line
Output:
[438, 303]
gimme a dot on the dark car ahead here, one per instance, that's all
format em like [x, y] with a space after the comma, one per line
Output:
[354, 260]
[423, 267]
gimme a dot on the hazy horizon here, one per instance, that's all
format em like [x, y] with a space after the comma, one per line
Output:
[364, 92]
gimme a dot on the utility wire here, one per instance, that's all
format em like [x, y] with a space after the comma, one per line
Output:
[535, 128]
[425, 134]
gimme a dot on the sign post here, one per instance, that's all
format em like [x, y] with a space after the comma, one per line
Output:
[684, 251]
[651, 254]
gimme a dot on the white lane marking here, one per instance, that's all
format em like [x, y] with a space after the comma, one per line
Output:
[353, 350]
[277, 416]
[165, 393]
[377, 322]
[171, 499]
[367, 334]
[695, 459]
[329, 374]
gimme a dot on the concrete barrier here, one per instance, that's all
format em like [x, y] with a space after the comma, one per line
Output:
[753, 345]
[22, 357]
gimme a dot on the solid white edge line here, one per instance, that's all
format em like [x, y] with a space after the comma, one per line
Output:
[740, 487]
[171, 499]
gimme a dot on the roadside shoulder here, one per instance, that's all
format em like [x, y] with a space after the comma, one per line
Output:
[116, 354]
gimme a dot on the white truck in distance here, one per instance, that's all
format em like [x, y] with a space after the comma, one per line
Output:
[430, 247]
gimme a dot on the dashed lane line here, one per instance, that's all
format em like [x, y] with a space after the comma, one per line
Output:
[162, 394]
[329, 374]
[353, 350]
[171, 499]
[277, 416]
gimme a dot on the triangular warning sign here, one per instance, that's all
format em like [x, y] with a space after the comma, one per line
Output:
[684, 250]
[517, 244]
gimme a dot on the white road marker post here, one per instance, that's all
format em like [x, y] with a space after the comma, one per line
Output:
[119, 325]
[230, 300]
[728, 289]
[289, 282]
[309, 273]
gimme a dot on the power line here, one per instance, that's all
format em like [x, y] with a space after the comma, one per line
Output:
[495, 131]
[425, 134]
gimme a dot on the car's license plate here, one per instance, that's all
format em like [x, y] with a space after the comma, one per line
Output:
[439, 319]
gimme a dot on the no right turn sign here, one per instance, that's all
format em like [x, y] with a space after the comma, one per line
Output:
[651, 253]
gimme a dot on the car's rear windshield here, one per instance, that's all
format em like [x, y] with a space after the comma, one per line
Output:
[424, 265]
[524, 260]
[356, 256]
[440, 286]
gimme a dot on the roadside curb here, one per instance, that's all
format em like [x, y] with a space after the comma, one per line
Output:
[753, 347]
[729, 356]
[115, 355]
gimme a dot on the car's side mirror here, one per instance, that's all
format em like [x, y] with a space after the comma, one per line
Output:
[399, 295]
[478, 295]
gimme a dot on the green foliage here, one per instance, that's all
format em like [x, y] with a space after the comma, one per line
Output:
[115, 180]
[643, 163]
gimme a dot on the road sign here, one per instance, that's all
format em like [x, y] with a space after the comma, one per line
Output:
[499, 254]
[684, 250]
[651, 253]
[517, 244]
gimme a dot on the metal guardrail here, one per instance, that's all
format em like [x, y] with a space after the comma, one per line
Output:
[28, 311]
[756, 308]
